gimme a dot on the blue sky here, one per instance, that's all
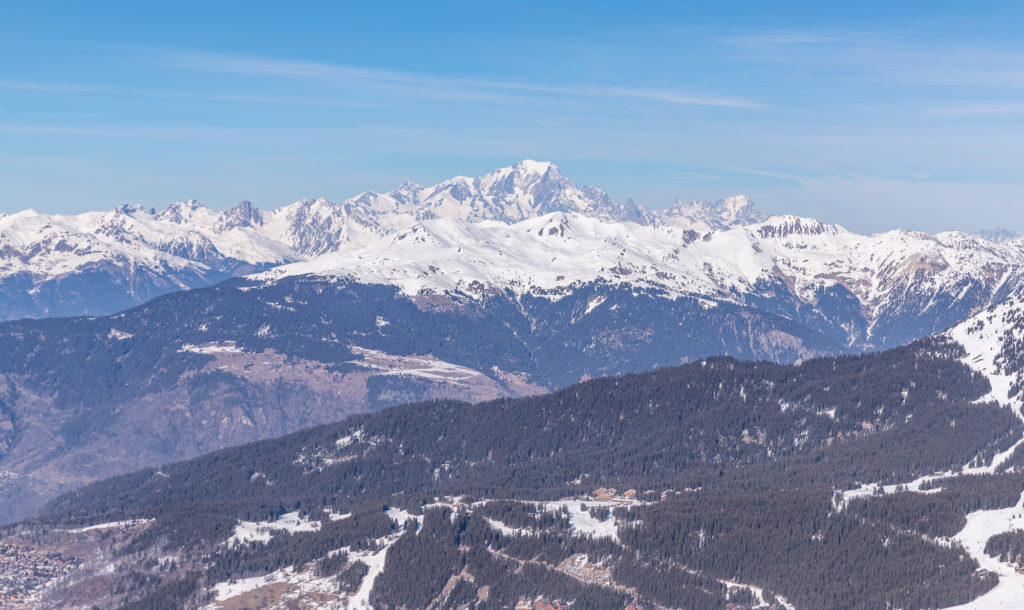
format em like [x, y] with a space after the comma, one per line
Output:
[868, 115]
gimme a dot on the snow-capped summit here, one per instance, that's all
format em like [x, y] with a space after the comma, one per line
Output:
[787, 225]
[526, 189]
[245, 214]
[733, 211]
[998, 235]
[186, 212]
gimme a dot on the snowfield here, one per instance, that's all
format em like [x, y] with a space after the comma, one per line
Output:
[982, 525]
[262, 531]
[582, 522]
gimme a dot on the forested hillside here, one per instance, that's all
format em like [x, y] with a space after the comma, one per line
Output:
[740, 471]
[196, 371]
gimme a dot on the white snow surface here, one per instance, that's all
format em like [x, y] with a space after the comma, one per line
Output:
[305, 582]
[758, 593]
[508, 530]
[263, 531]
[333, 516]
[401, 517]
[109, 525]
[870, 489]
[982, 525]
[375, 560]
[228, 347]
[983, 336]
[582, 522]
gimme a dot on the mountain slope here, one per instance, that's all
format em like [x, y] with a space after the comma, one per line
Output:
[863, 291]
[198, 370]
[454, 504]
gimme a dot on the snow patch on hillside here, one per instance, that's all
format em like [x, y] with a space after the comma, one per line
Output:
[983, 336]
[867, 490]
[402, 517]
[262, 531]
[582, 522]
[426, 367]
[302, 581]
[982, 525]
[228, 347]
[110, 525]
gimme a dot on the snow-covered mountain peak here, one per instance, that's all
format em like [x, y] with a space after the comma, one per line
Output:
[523, 175]
[128, 209]
[738, 209]
[543, 255]
[245, 214]
[406, 192]
[538, 168]
[558, 224]
[787, 225]
[187, 212]
[733, 211]
[998, 235]
[526, 189]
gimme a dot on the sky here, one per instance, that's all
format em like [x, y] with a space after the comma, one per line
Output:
[871, 115]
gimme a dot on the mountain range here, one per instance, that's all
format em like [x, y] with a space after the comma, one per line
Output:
[526, 229]
[101, 262]
[512, 284]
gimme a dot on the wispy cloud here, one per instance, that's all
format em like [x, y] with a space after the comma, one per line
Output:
[64, 130]
[24, 85]
[902, 57]
[326, 101]
[776, 175]
[785, 37]
[432, 85]
[976, 109]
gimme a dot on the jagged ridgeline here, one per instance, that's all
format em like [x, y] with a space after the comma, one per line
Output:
[738, 469]
[527, 229]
